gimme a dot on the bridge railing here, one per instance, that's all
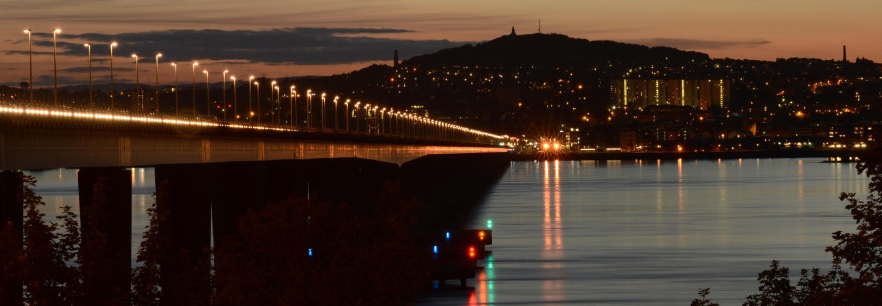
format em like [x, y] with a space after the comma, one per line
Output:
[398, 126]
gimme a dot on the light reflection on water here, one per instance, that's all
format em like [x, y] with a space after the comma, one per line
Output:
[58, 187]
[621, 233]
[653, 232]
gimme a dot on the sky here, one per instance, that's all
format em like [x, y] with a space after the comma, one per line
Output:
[277, 39]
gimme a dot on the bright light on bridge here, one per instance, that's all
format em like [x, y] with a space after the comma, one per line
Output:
[211, 122]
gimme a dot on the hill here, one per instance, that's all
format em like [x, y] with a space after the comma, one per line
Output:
[554, 50]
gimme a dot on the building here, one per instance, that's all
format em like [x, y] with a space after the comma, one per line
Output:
[700, 94]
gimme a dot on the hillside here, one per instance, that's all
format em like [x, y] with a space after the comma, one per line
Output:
[554, 49]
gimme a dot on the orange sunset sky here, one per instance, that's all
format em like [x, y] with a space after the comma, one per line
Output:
[304, 37]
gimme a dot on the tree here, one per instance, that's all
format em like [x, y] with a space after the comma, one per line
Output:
[44, 271]
[703, 301]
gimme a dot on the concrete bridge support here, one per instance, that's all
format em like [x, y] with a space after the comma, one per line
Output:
[11, 219]
[450, 186]
[106, 227]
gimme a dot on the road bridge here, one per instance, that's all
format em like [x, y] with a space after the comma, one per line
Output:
[212, 171]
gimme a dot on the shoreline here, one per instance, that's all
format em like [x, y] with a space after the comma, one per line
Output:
[831, 155]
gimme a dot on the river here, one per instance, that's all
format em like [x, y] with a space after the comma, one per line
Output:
[622, 232]
[653, 232]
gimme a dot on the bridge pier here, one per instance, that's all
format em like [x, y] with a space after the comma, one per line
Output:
[106, 227]
[449, 186]
[184, 205]
[11, 220]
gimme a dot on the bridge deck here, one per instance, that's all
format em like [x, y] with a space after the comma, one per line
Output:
[42, 139]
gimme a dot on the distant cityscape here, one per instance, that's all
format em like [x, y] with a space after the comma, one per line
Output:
[584, 96]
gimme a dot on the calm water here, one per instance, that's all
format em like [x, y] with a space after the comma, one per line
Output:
[623, 233]
[653, 233]
[58, 188]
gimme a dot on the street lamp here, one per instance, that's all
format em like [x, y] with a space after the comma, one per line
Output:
[55, 62]
[158, 55]
[336, 125]
[194, 86]
[89, 47]
[272, 103]
[291, 104]
[347, 114]
[250, 109]
[224, 106]
[137, 82]
[176, 87]
[382, 121]
[257, 89]
[112, 93]
[278, 98]
[31, 63]
[357, 124]
[207, 95]
[323, 111]
[367, 114]
[235, 103]
[309, 108]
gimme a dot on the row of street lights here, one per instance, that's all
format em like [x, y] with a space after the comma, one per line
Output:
[370, 113]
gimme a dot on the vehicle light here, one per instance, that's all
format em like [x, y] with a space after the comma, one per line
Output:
[481, 235]
[435, 249]
[309, 251]
[447, 235]
[471, 252]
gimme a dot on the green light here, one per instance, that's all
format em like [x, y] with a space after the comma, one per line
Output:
[489, 224]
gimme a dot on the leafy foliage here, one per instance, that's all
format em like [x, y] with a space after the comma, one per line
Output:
[371, 256]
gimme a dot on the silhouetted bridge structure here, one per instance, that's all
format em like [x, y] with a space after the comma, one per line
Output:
[212, 171]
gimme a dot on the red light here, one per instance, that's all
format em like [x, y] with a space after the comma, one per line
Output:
[471, 252]
[218, 107]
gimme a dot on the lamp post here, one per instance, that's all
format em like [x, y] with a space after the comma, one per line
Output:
[323, 111]
[137, 83]
[55, 62]
[250, 109]
[89, 47]
[347, 114]
[224, 100]
[309, 108]
[278, 98]
[176, 87]
[257, 89]
[367, 114]
[291, 105]
[235, 104]
[158, 55]
[31, 64]
[357, 124]
[112, 93]
[194, 86]
[272, 103]
[336, 118]
[296, 118]
[382, 121]
[207, 95]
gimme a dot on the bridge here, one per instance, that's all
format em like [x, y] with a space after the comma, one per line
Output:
[214, 170]
[43, 138]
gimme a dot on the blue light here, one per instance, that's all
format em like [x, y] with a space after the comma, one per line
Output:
[447, 235]
[310, 252]
[435, 249]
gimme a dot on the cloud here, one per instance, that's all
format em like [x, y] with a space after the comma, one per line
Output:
[693, 44]
[301, 46]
